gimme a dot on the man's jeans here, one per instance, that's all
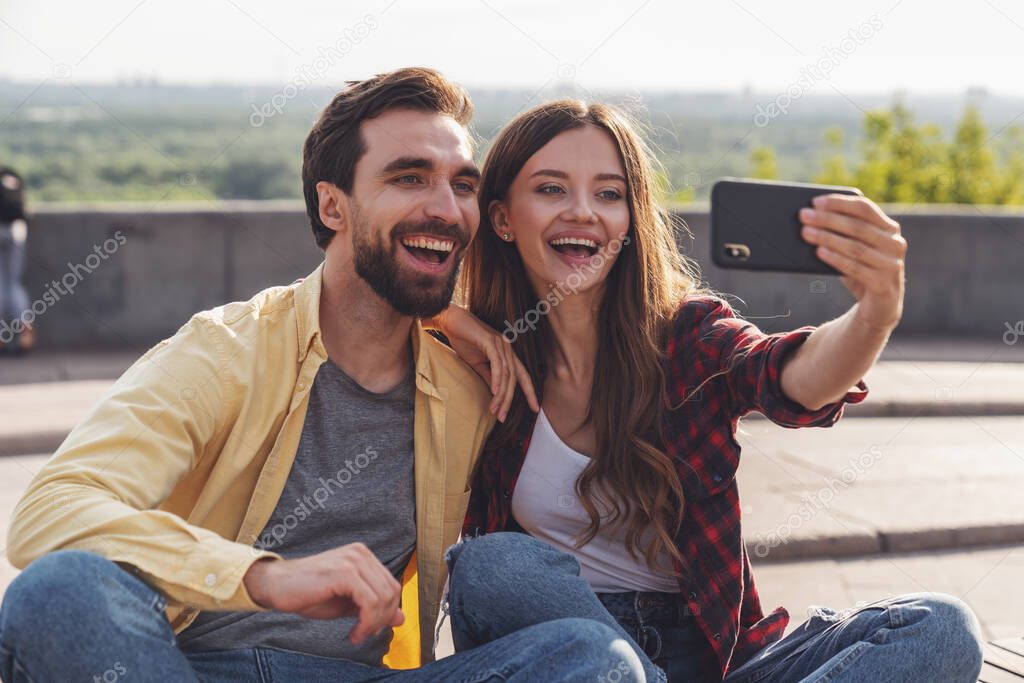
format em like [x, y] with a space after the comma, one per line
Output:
[75, 616]
[503, 582]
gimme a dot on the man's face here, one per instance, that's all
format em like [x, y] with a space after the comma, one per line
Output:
[413, 208]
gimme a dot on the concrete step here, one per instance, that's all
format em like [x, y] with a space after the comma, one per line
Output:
[881, 485]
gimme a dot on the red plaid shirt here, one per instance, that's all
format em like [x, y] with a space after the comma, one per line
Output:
[719, 368]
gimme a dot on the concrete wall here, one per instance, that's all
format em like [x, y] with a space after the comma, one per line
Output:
[139, 272]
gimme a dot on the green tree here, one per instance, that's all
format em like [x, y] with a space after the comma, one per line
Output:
[903, 162]
[836, 172]
[762, 160]
[971, 162]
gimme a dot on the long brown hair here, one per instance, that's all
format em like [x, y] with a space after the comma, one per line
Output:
[630, 474]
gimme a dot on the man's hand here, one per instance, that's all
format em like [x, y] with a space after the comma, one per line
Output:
[340, 582]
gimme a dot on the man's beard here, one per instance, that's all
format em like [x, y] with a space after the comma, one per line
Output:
[415, 294]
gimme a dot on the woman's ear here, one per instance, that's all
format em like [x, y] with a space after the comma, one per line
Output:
[333, 205]
[499, 220]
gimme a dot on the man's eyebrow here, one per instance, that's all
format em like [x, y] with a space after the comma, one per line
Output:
[409, 163]
[565, 176]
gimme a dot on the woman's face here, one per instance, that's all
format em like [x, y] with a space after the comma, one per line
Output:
[568, 211]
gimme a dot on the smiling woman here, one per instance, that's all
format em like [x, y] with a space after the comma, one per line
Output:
[624, 481]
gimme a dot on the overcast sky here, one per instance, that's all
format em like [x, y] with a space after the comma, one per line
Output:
[920, 46]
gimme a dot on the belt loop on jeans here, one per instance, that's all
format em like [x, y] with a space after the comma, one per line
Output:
[650, 633]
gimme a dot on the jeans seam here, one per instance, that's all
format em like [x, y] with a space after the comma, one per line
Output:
[455, 608]
[262, 666]
[22, 673]
[894, 616]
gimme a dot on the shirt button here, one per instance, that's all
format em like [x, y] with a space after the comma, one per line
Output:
[302, 386]
[210, 579]
[519, 444]
[718, 636]
[693, 596]
[717, 478]
[506, 493]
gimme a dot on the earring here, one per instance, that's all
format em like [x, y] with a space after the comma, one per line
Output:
[507, 236]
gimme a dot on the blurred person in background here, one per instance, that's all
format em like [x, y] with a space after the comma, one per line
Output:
[16, 335]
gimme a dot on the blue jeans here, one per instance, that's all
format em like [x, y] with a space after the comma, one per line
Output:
[74, 615]
[503, 582]
[13, 297]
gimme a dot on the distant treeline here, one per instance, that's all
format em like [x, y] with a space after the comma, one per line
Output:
[163, 143]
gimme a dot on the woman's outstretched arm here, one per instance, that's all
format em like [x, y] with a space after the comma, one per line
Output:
[853, 235]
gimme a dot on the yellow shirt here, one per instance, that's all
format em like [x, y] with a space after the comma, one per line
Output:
[177, 469]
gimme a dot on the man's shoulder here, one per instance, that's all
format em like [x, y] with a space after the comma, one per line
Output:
[242, 327]
[265, 303]
[456, 377]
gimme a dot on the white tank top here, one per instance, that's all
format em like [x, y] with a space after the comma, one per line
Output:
[546, 505]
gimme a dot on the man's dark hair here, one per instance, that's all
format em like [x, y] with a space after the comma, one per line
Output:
[336, 143]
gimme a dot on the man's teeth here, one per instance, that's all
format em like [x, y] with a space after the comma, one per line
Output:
[581, 241]
[434, 245]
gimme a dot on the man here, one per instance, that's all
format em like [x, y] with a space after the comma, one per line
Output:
[240, 503]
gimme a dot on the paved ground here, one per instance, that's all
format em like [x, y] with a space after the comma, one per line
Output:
[988, 579]
[871, 485]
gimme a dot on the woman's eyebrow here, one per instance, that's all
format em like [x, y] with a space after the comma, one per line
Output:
[550, 172]
[565, 176]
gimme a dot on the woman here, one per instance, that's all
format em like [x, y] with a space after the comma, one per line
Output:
[624, 482]
[13, 297]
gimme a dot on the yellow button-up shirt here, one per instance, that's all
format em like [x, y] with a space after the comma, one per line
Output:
[178, 468]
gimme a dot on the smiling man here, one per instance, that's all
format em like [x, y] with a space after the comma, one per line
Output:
[268, 493]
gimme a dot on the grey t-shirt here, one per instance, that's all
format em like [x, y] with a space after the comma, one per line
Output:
[352, 480]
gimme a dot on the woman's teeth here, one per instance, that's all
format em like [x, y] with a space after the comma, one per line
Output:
[582, 241]
[577, 247]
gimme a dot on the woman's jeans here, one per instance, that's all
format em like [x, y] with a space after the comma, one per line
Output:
[13, 297]
[75, 616]
[503, 582]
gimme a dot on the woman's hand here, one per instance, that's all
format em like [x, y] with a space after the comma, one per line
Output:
[856, 238]
[490, 354]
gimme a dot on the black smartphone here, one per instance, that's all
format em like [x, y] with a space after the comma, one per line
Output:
[755, 225]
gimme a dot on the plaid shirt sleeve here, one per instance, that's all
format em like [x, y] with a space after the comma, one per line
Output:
[751, 362]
